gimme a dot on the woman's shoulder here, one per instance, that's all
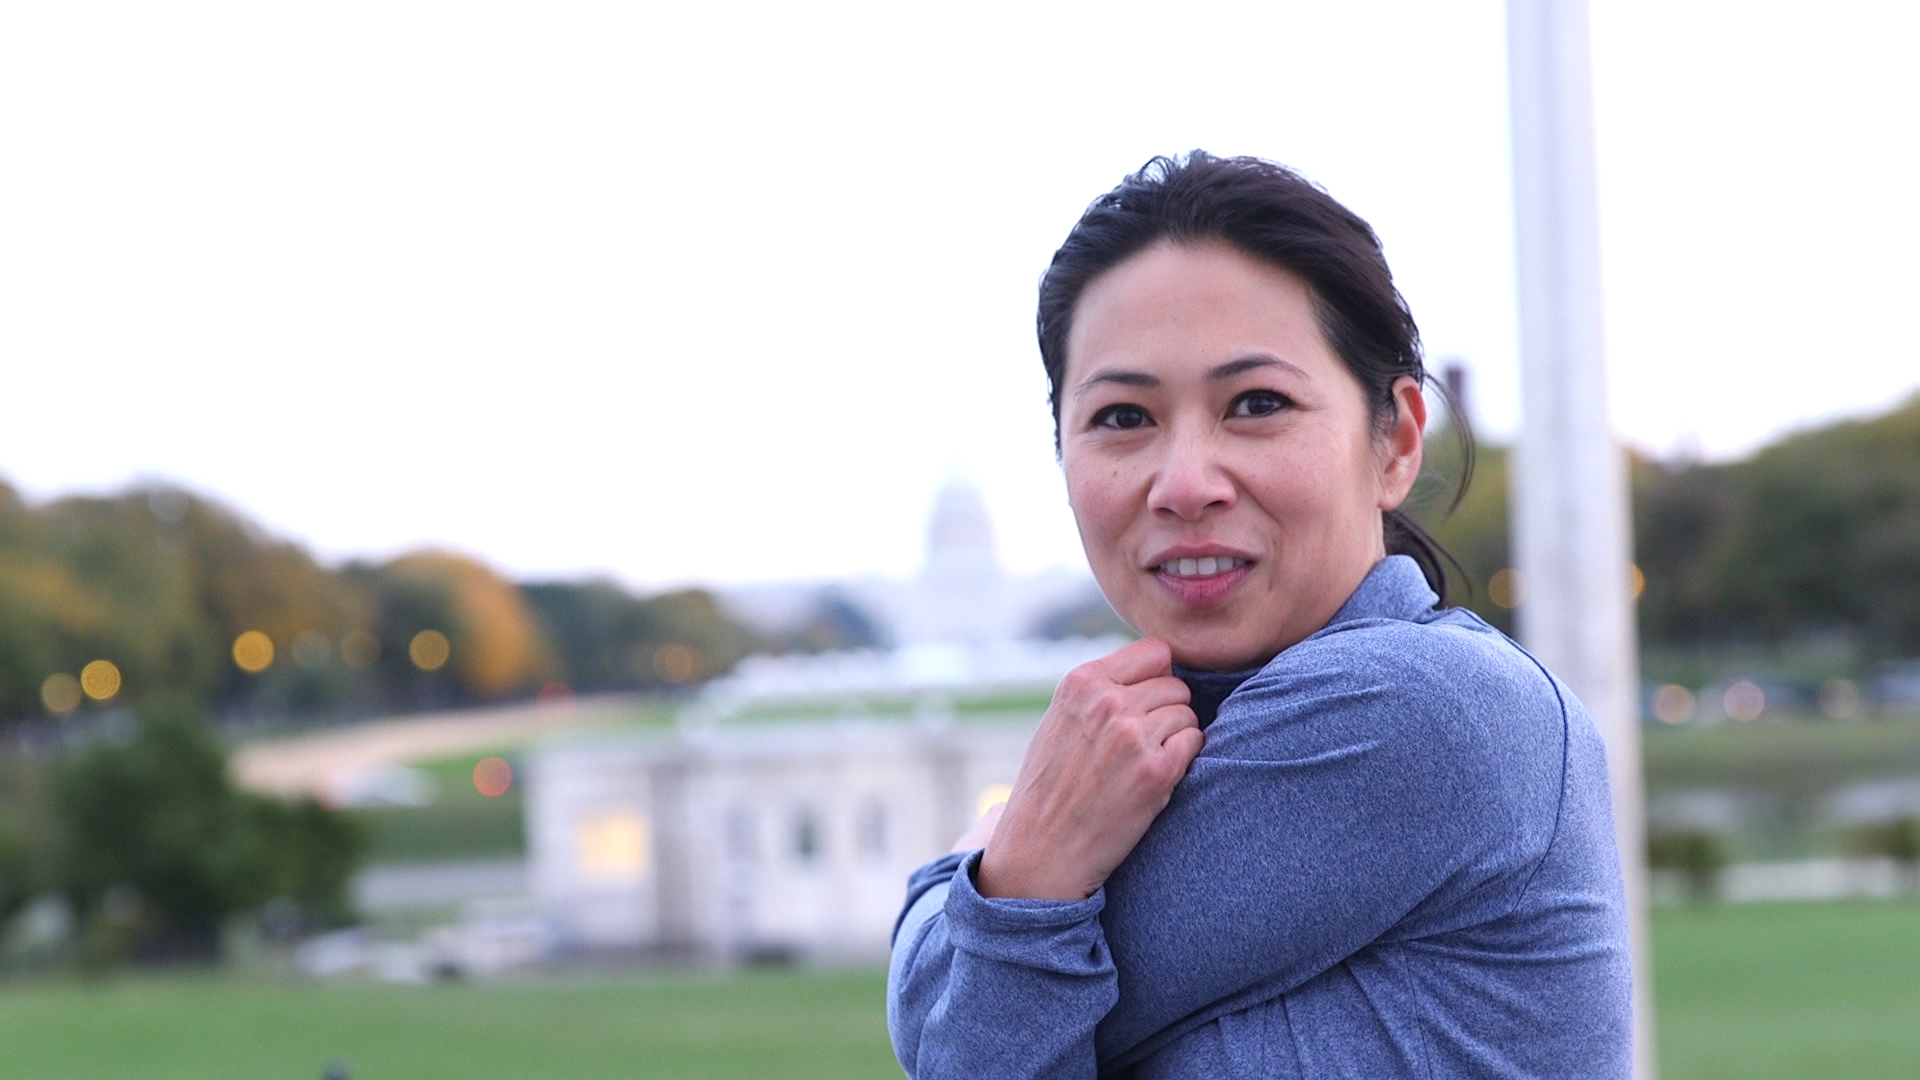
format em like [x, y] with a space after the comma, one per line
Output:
[1441, 722]
[1448, 656]
[1446, 682]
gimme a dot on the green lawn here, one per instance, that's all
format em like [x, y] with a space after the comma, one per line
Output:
[1789, 991]
[1754, 993]
[1804, 754]
[1791, 766]
[772, 1025]
[460, 823]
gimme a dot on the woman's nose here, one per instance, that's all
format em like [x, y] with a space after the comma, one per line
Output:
[1191, 480]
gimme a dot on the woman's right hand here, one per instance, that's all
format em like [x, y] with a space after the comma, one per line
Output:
[1117, 738]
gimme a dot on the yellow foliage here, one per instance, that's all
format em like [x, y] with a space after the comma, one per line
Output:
[46, 589]
[498, 646]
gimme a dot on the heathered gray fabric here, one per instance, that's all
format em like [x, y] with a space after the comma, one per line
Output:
[1394, 858]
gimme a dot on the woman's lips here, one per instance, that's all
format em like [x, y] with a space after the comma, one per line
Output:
[1202, 566]
[1190, 582]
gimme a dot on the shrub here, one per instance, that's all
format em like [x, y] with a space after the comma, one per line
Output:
[1898, 840]
[155, 849]
[1699, 856]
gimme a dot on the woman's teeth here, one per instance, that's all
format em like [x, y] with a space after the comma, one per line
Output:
[1206, 567]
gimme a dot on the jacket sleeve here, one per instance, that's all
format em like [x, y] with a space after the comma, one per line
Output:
[1009, 989]
[1341, 800]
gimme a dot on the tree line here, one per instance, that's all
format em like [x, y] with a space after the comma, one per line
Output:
[132, 620]
[108, 601]
[1815, 534]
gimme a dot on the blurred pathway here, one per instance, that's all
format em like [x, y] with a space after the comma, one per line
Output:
[302, 764]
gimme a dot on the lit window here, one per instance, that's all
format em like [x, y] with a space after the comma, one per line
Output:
[612, 847]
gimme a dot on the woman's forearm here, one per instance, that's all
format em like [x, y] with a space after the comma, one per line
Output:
[1011, 975]
[998, 988]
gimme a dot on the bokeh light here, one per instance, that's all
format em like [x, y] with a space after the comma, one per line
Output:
[100, 680]
[1744, 701]
[989, 796]
[556, 698]
[60, 693]
[429, 650]
[675, 662]
[1508, 588]
[1673, 704]
[359, 650]
[253, 652]
[492, 777]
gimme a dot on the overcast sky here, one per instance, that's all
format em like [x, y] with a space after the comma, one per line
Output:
[723, 293]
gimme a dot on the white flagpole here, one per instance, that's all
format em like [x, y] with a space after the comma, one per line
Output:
[1571, 531]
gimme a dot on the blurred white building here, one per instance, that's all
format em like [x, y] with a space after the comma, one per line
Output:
[961, 595]
[755, 840]
[911, 670]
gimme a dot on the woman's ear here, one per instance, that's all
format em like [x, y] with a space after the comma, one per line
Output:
[1401, 450]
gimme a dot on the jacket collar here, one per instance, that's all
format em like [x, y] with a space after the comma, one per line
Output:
[1394, 589]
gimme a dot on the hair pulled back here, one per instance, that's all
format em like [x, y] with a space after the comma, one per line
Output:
[1268, 212]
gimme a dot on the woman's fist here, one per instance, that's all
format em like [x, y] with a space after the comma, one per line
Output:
[1117, 738]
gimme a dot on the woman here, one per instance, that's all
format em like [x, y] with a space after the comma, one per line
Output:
[1313, 823]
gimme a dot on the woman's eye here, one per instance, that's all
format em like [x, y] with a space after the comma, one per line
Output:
[1258, 403]
[1121, 417]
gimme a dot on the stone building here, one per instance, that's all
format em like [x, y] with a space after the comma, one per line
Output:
[754, 839]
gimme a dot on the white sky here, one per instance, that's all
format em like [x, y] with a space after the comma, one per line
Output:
[723, 293]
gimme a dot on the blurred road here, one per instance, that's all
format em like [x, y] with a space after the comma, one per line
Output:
[387, 888]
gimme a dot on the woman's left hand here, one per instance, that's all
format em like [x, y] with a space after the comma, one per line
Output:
[1117, 738]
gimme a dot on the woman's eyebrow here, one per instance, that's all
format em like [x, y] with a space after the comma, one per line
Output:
[1123, 376]
[1130, 377]
[1251, 362]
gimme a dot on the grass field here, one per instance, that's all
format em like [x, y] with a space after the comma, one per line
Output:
[1785, 770]
[781, 1024]
[1806, 754]
[460, 823]
[1755, 993]
[1789, 991]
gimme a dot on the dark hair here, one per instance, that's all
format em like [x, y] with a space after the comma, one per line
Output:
[1271, 213]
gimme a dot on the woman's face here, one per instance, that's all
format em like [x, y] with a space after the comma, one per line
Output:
[1220, 459]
